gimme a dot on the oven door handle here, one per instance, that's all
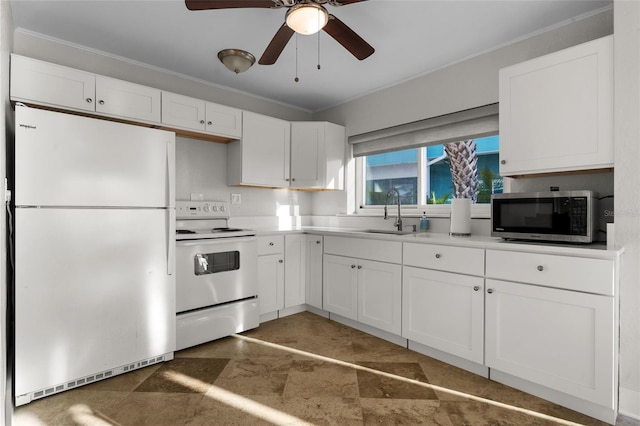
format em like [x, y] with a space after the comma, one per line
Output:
[171, 242]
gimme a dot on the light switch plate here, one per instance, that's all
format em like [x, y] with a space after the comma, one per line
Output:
[236, 199]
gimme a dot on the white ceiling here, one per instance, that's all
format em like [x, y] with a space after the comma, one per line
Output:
[411, 37]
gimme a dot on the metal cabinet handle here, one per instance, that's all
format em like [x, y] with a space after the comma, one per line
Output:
[359, 266]
[209, 123]
[271, 243]
[503, 161]
[438, 255]
[280, 261]
[89, 100]
[318, 242]
[293, 179]
[476, 287]
[540, 268]
[201, 121]
[101, 102]
[490, 290]
[353, 266]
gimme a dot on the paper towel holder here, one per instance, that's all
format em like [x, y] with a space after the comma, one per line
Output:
[460, 217]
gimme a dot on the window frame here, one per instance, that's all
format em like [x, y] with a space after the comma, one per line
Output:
[478, 211]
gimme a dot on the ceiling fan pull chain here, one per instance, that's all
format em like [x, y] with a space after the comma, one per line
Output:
[296, 79]
[318, 48]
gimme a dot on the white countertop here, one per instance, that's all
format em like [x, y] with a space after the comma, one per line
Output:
[595, 250]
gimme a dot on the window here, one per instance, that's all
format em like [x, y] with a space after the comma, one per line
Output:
[425, 175]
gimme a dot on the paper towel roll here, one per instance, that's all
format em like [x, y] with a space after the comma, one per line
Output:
[460, 216]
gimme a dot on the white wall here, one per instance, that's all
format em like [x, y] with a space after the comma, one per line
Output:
[627, 200]
[201, 168]
[6, 134]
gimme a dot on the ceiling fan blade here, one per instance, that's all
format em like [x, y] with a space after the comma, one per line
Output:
[227, 4]
[346, 2]
[348, 38]
[277, 45]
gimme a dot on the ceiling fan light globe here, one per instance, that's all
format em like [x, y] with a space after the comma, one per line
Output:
[307, 18]
[236, 60]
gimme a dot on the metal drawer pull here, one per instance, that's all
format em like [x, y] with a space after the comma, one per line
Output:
[280, 261]
[318, 242]
[476, 288]
[353, 266]
[438, 255]
[201, 121]
[101, 102]
[490, 290]
[271, 243]
[540, 268]
[209, 123]
[89, 100]
[359, 266]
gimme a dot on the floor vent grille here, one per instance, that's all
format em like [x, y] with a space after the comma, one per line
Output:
[25, 399]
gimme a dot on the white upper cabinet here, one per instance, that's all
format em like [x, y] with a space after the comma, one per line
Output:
[556, 111]
[261, 157]
[51, 85]
[317, 155]
[127, 100]
[43, 83]
[188, 113]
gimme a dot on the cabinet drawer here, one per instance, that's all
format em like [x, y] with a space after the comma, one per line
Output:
[270, 244]
[381, 250]
[461, 260]
[571, 273]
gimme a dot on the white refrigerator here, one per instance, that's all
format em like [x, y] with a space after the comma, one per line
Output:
[94, 250]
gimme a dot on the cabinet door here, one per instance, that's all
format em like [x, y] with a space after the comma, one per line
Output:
[380, 295]
[294, 272]
[314, 270]
[307, 155]
[560, 339]
[556, 111]
[261, 157]
[271, 283]
[183, 111]
[444, 311]
[128, 100]
[340, 286]
[223, 120]
[50, 84]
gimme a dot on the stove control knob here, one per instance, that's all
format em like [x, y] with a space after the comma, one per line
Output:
[221, 208]
[206, 207]
[215, 208]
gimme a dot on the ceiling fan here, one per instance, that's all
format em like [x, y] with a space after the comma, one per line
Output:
[316, 15]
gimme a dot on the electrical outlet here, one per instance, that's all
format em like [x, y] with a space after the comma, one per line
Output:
[236, 199]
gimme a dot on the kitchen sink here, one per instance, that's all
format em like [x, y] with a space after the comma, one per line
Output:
[388, 231]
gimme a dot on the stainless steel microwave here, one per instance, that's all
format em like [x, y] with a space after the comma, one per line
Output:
[558, 216]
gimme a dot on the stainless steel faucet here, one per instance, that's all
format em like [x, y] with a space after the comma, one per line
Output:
[398, 222]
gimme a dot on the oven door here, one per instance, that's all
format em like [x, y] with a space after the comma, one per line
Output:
[214, 271]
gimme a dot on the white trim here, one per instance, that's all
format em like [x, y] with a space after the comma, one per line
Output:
[629, 403]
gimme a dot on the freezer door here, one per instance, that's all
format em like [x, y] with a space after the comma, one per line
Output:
[92, 292]
[67, 160]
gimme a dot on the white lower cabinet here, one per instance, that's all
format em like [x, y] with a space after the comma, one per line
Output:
[313, 270]
[295, 248]
[444, 311]
[560, 339]
[270, 273]
[363, 290]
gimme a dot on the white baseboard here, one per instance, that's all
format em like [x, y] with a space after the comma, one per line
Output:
[629, 403]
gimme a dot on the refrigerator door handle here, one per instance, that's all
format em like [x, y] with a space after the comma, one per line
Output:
[171, 171]
[171, 242]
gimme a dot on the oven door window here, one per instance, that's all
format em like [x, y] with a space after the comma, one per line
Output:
[212, 263]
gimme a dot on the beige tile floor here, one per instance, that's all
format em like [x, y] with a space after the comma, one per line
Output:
[298, 370]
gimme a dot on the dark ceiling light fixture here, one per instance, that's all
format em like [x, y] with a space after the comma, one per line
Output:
[236, 60]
